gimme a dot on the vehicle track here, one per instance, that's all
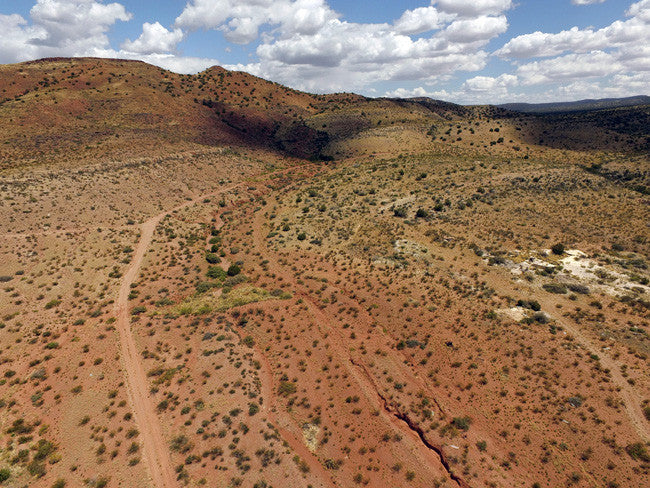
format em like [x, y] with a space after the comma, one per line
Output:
[155, 452]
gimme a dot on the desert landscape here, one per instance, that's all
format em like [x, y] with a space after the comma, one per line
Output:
[215, 280]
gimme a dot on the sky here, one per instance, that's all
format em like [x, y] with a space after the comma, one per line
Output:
[463, 51]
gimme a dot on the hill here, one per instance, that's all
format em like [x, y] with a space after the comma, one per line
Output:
[69, 110]
[578, 106]
[215, 280]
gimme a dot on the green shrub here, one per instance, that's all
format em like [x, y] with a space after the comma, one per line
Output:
[638, 452]
[212, 258]
[577, 288]
[233, 270]
[530, 304]
[558, 249]
[36, 468]
[5, 474]
[216, 272]
[286, 388]
[204, 286]
[52, 304]
[462, 423]
[555, 288]
[140, 309]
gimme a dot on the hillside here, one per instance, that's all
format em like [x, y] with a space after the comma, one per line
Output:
[214, 280]
[578, 106]
[69, 110]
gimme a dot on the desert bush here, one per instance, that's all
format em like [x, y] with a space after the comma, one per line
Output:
[286, 388]
[462, 423]
[140, 309]
[558, 249]
[578, 288]
[638, 452]
[557, 288]
[5, 474]
[530, 304]
[216, 272]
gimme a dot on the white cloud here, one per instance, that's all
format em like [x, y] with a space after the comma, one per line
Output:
[421, 20]
[59, 28]
[79, 28]
[240, 20]
[617, 34]
[15, 37]
[640, 10]
[570, 67]
[586, 2]
[154, 39]
[310, 47]
[484, 84]
[576, 55]
[472, 8]
[344, 56]
[478, 29]
[75, 24]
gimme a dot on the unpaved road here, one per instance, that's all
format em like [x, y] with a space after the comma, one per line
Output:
[155, 452]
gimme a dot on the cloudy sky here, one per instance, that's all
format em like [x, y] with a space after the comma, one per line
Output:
[467, 51]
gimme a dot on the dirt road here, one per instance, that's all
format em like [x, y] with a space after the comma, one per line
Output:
[156, 455]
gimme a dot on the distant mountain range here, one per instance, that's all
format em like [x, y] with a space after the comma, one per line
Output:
[578, 106]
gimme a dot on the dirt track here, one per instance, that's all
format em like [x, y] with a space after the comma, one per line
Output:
[156, 454]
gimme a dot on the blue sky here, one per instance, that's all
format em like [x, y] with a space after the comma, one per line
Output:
[467, 51]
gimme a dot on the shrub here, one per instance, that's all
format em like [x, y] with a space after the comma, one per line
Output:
[333, 464]
[52, 304]
[530, 304]
[462, 423]
[286, 388]
[36, 468]
[400, 212]
[637, 451]
[233, 270]
[212, 258]
[5, 474]
[216, 272]
[577, 288]
[421, 214]
[555, 288]
[558, 249]
[302, 236]
[140, 309]
[540, 318]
